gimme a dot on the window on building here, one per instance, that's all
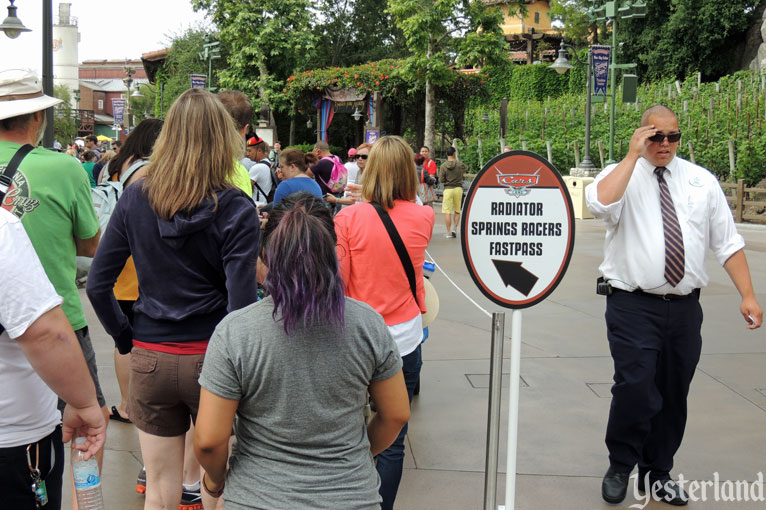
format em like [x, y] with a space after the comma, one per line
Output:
[537, 18]
[100, 104]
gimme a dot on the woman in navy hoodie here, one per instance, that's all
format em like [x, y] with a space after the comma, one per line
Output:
[194, 241]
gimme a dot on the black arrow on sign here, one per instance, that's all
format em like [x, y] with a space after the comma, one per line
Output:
[516, 276]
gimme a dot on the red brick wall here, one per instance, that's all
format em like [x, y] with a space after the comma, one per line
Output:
[86, 98]
[94, 70]
[96, 97]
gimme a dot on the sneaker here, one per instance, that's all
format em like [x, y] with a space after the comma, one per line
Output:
[141, 481]
[190, 500]
[450, 235]
[454, 234]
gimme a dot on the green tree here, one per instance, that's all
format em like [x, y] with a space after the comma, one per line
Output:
[577, 26]
[143, 107]
[443, 34]
[675, 39]
[182, 61]
[355, 32]
[680, 37]
[266, 41]
[64, 125]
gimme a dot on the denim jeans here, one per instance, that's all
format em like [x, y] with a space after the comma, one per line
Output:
[390, 461]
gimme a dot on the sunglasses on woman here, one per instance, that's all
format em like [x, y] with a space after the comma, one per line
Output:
[361, 156]
[660, 136]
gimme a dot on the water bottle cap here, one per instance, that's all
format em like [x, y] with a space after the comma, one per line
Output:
[80, 440]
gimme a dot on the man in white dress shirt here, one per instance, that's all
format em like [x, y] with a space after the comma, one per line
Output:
[662, 214]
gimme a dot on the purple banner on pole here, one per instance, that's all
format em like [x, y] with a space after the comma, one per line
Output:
[198, 81]
[601, 56]
[118, 110]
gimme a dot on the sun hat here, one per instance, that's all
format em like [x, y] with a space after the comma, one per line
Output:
[432, 303]
[21, 92]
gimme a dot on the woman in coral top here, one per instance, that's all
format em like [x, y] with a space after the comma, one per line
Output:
[373, 272]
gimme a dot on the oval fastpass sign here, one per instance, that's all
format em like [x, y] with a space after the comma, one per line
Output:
[517, 229]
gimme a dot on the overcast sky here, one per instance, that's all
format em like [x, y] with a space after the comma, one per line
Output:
[109, 29]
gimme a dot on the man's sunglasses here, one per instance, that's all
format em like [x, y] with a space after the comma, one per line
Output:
[361, 156]
[672, 137]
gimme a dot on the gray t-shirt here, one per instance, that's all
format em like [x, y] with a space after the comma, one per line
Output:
[301, 438]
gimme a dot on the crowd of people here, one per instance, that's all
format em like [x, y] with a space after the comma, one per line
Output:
[249, 335]
[259, 299]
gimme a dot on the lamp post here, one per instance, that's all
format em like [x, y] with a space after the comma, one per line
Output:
[562, 65]
[77, 119]
[128, 80]
[484, 118]
[612, 10]
[12, 26]
[210, 50]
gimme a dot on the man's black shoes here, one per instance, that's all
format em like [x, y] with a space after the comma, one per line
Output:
[615, 486]
[667, 491]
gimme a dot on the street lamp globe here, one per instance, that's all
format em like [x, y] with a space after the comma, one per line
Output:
[561, 64]
[12, 25]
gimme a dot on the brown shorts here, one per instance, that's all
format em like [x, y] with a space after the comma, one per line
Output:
[164, 391]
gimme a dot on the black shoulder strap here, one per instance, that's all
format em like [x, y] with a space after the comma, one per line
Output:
[7, 178]
[260, 192]
[401, 250]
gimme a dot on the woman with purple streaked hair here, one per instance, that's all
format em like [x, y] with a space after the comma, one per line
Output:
[295, 369]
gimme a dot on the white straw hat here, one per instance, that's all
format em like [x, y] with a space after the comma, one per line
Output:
[432, 303]
[21, 92]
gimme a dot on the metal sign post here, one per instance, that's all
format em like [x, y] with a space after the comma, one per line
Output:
[517, 240]
[493, 418]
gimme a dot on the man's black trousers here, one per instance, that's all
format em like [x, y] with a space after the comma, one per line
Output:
[655, 346]
[17, 481]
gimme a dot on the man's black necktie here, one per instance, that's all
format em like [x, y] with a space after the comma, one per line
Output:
[674, 239]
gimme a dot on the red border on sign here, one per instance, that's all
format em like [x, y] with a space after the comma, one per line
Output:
[525, 163]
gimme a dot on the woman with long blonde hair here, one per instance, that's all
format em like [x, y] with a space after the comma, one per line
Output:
[194, 242]
[389, 190]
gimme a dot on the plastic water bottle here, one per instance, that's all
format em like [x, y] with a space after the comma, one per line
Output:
[87, 480]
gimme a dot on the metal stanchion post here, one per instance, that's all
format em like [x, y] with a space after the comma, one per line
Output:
[493, 419]
[513, 411]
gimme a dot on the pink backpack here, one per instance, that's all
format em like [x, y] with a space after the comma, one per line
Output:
[338, 177]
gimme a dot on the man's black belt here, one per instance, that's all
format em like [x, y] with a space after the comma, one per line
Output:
[665, 297]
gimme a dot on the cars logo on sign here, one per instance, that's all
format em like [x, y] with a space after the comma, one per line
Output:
[517, 184]
[517, 229]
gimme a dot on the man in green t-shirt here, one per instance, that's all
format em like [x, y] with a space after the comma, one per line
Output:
[50, 194]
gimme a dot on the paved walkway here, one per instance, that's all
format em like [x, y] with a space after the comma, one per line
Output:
[566, 371]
